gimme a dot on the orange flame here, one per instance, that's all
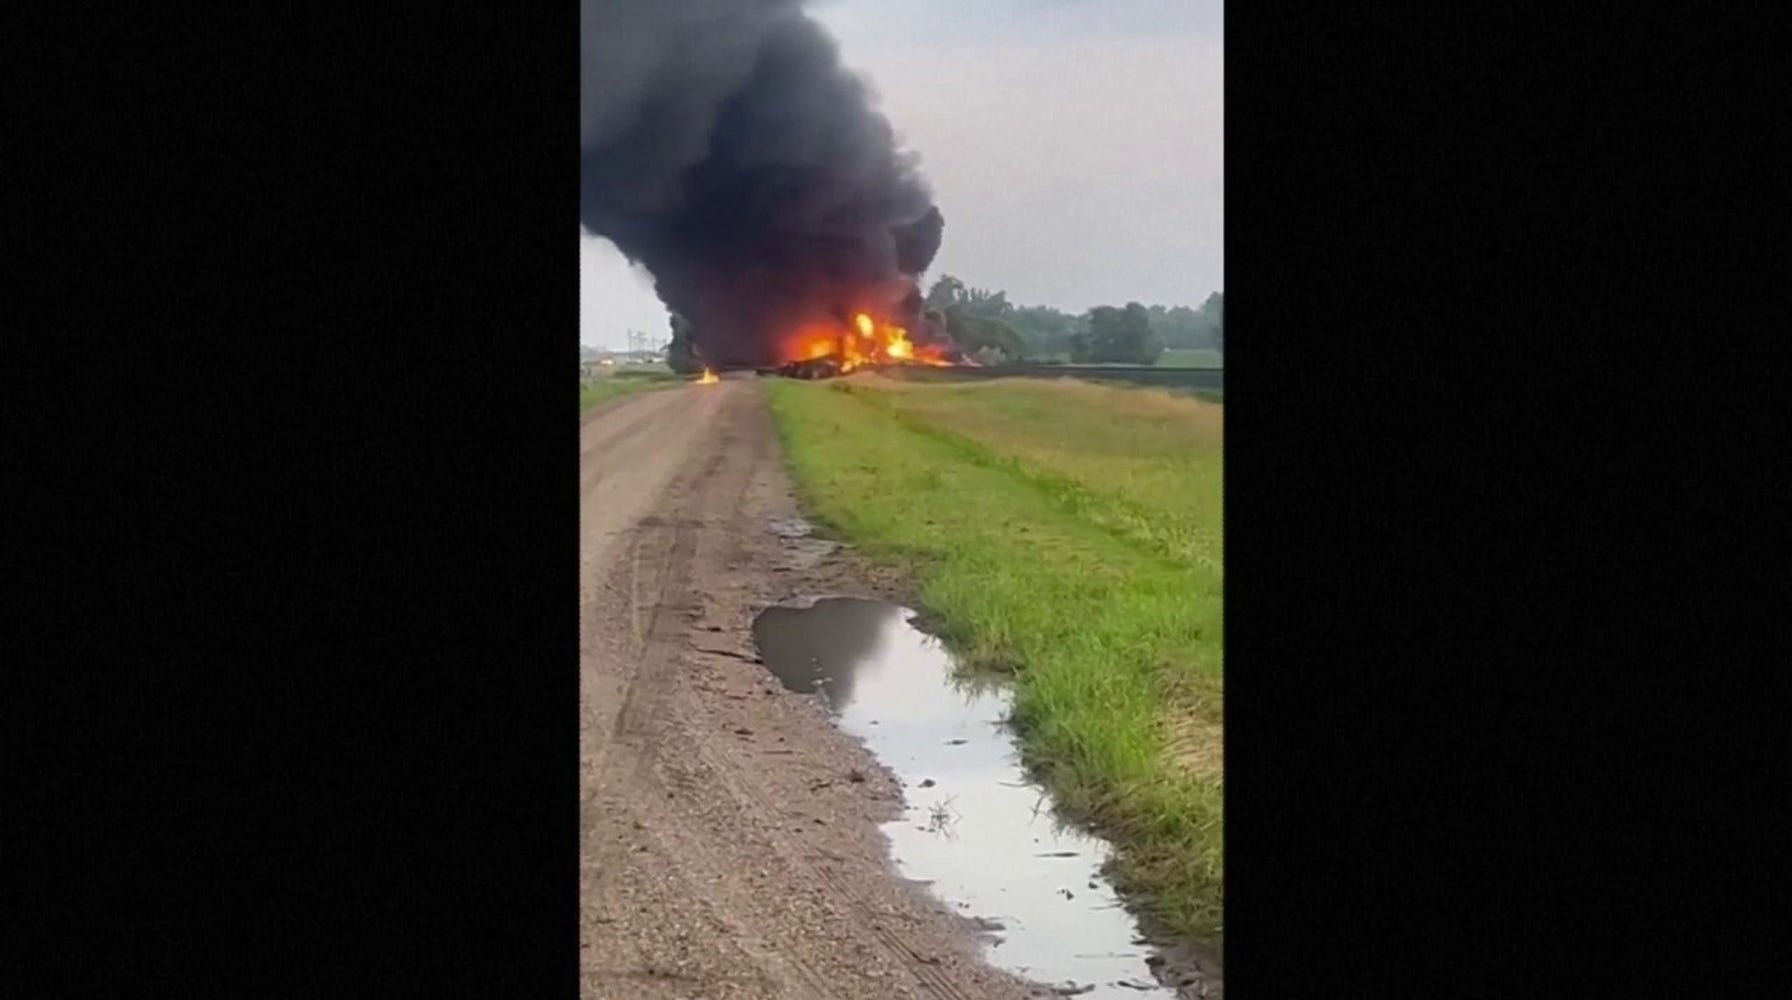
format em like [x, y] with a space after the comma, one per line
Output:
[707, 378]
[874, 343]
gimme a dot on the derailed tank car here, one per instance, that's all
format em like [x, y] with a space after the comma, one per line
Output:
[811, 368]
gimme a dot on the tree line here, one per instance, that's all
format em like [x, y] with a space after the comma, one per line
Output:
[994, 330]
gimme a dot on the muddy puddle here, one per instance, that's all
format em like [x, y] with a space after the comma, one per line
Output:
[976, 831]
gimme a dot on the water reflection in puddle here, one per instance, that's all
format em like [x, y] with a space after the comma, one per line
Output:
[975, 828]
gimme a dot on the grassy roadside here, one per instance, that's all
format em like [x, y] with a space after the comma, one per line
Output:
[1070, 533]
[623, 383]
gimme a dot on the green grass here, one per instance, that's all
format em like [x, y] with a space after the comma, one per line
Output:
[1069, 533]
[624, 382]
[1197, 357]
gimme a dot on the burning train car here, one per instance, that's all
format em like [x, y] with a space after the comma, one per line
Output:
[861, 342]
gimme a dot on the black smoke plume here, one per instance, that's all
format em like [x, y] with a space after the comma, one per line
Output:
[724, 147]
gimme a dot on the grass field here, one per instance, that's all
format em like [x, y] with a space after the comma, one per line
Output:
[1070, 533]
[625, 381]
[1191, 358]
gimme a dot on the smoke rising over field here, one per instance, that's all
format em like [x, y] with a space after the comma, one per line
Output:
[725, 148]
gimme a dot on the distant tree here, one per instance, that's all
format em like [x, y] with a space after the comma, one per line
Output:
[1119, 336]
[1185, 328]
[983, 302]
[1142, 345]
[1045, 330]
[1100, 343]
[1134, 334]
[1082, 347]
[946, 291]
[976, 333]
[1215, 307]
[975, 319]
[935, 322]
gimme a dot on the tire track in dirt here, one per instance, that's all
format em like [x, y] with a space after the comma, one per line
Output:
[661, 562]
[653, 569]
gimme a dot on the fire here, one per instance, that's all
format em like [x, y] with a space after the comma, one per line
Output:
[865, 342]
[707, 377]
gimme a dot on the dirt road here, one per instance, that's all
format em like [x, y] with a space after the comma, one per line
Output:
[728, 833]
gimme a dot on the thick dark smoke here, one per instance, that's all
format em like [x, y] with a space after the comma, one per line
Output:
[724, 147]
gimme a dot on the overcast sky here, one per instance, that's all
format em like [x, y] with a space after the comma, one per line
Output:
[1074, 147]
